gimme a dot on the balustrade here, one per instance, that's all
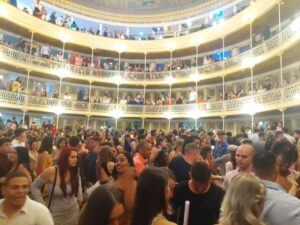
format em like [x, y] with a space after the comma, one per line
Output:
[277, 97]
[205, 70]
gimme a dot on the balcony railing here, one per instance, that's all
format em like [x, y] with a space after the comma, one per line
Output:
[52, 66]
[274, 99]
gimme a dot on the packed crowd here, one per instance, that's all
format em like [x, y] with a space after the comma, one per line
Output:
[88, 177]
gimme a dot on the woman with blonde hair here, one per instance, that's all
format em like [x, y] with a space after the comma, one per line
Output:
[244, 201]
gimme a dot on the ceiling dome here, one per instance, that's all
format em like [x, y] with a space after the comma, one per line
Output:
[139, 6]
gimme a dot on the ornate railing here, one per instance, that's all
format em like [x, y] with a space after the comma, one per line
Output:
[52, 66]
[277, 98]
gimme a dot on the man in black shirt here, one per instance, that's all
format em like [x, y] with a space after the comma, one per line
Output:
[181, 165]
[205, 197]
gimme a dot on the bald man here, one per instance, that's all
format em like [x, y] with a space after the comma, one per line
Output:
[243, 157]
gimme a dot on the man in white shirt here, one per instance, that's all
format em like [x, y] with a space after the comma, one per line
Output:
[20, 138]
[16, 208]
[45, 51]
[193, 96]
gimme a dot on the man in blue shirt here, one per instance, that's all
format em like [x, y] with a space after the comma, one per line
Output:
[280, 208]
[220, 149]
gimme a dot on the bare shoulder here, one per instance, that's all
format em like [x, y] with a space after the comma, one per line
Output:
[48, 174]
[163, 222]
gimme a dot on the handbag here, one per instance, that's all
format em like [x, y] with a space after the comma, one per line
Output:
[53, 187]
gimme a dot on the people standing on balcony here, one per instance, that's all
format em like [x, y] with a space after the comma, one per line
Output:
[267, 85]
[193, 96]
[67, 96]
[45, 51]
[16, 85]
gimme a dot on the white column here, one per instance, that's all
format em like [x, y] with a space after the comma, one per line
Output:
[92, 58]
[90, 91]
[27, 82]
[63, 51]
[281, 70]
[31, 42]
[279, 15]
[223, 85]
[251, 38]
[223, 51]
[252, 87]
[59, 90]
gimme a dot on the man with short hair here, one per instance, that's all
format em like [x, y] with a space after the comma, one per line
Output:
[280, 208]
[205, 197]
[221, 145]
[143, 154]
[20, 138]
[259, 144]
[243, 157]
[181, 165]
[17, 208]
[93, 145]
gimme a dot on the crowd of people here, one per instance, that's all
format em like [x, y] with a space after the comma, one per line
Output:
[61, 19]
[87, 177]
[190, 96]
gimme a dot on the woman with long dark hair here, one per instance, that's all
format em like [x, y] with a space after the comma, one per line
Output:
[151, 198]
[124, 178]
[44, 154]
[19, 158]
[33, 153]
[60, 145]
[104, 207]
[64, 188]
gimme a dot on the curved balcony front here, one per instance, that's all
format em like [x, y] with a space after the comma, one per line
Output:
[257, 9]
[268, 49]
[269, 100]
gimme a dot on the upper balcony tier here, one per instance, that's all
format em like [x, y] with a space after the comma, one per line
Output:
[157, 14]
[88, 19]
[237, 22]
[266, 50]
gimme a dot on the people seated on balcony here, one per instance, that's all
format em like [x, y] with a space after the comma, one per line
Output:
[67, 96]
[267, 84]
[16, 85]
